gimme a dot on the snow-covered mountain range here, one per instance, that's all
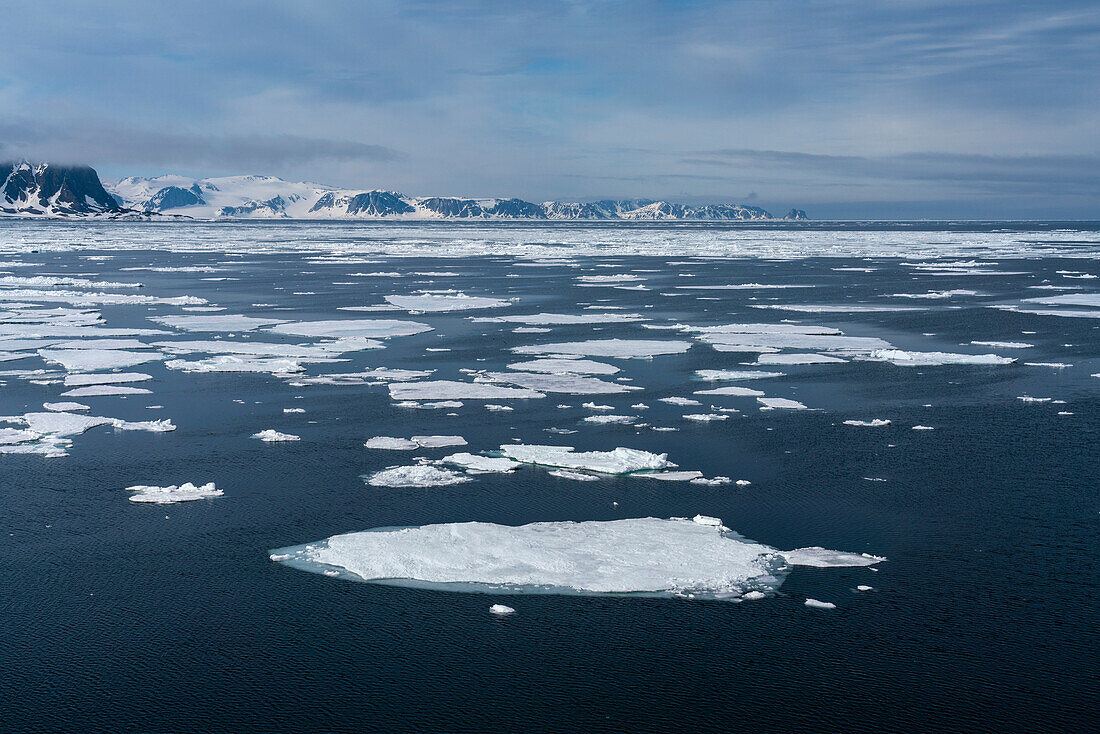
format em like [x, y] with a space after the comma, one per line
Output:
[51, 190]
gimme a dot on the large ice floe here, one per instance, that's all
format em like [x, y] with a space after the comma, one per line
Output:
[904, 358]
[434, 301]
[50, 433]
[698, 558]
[560, 383]
[562, 319]
[88, 360]
[218, 322]
[616, 348]
[369, 328]
[456, 390]
[617, 461]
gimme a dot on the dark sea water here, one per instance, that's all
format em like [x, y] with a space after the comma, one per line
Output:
[120, 617]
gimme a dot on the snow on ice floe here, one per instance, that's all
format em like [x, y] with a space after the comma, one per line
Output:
[87, 360]
[369, 328]
[819, 557]
[612, 419]
[501, 610]
[904, 358]
[477, 464]
[49, 434]
[557, 366]
[1002, 345]
[816, 604]
[65, 407]
[455, 390]
[614, 348]
[649, 556]
[561, 319]
[719, 375]
[706, 417]
[173, 493]
[108, 378]
[560, 383]
[391, 443]
[420, 475]
[773, 337]
[780, 404]
[617, 461]
[228, 363]
[104, 391]
[873, 423]
[270, 435]
[85, 299]
[740, 392]
[428, 301]
[217, 322]
[799, 358]
[317, 353]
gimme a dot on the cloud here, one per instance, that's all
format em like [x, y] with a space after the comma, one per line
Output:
[83, 141]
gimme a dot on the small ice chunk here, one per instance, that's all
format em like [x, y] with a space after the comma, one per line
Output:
[873, 423]
[923, 428]
[780, 404]
[706, 417]
[716, 375]
[863, 587]
[501, 610]
[679, 401]
[389, 443]
[815, 604]
[272, 436]
[574, 475]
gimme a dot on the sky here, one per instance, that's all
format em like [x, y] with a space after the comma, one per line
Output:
[888, 109]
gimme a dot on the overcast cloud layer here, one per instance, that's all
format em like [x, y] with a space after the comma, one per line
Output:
[912, 108]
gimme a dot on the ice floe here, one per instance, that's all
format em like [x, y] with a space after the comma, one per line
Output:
[780, 404]
[270, 435]
[228, 363]
[557, 366]
[698, 559]
[104, 390]
[873, 423]
[455, 390]
[87, 360]
[419, 475]
[614, 348]
[617, 461]
[173, 493]
[904, 358]
[449, 301]
[369, 328]
[217, 322]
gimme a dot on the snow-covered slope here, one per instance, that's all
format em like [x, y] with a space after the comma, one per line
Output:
[266, 197]
[51, 190]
